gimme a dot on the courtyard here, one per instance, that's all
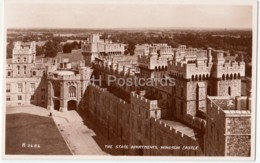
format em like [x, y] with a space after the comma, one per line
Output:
[31, 131]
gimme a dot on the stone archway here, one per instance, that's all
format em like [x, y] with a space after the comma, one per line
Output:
[56, 105]
[72, 105]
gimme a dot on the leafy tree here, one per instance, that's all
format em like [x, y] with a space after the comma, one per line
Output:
[39, 50]
[131, 47]
[51, 49]
[67, 48]
[9, 49]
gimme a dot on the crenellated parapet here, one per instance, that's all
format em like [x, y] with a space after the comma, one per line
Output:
[19, 49]
[230, 69]
[146, 103]
[189, 70]
[154, 62]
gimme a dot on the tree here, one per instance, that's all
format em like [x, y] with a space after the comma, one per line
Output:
[67, 48]
[9, 49]
[131, 47]
[39, 50]
[51, 49]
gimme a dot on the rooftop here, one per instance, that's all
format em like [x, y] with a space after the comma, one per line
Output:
[225, 104]
[64, 73]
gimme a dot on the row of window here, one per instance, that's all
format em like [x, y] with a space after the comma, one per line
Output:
[20, 87]
[8, 98]
[19, 59]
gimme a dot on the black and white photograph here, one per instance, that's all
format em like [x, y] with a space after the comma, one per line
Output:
[170, 79]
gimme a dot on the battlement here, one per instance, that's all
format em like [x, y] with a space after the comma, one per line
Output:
[187, 70]
[106, 93]
[20, 49]
[172, 130]
[154, 62]
[98, 87]
[116, 69]
[195, 122]
[230, 68]
[150, 104]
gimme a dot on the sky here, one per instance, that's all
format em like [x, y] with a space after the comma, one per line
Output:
[90, 15]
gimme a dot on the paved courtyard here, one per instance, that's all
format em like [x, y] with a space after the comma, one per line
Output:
[78, 136]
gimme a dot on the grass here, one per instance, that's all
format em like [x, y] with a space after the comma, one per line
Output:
[32, 129]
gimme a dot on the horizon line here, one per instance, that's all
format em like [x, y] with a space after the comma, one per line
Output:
[134, 28]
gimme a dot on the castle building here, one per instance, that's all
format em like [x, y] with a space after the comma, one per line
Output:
[95, 47]
[25, 79]
[154, 61]
[204, 109]
[66, 85]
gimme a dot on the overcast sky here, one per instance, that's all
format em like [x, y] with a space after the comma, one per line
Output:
[86, 15]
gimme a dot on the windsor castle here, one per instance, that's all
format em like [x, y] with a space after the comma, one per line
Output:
[205, 113]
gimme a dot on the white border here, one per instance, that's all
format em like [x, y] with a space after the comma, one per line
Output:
[184, 2]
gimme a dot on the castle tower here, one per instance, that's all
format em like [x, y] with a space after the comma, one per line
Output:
[90, 49]
[24, 54]
[226, 75]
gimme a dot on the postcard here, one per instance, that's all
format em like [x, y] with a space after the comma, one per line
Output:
[143, 79]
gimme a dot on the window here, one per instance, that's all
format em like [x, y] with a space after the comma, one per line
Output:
[8, 88]
[32, 97]
[18, 69]
[20, 87]
[72, 91]
[20, 97]
[181, 91]
[8, 98]
[34, 73]
[42, 89]
[24, 59]
[32, 87]
[43, 97]
[229, 91]
[8, 73]
[24, 67]
[18, 59]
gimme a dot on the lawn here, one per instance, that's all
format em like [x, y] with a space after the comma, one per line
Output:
[28, 134]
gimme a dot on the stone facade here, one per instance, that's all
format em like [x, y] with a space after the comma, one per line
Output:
[204, 109]
[228, 130]
[25, 79]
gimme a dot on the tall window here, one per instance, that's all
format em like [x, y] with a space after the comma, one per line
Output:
[8, 73]
[8, 88]
[18, 69]
[24, 68]
[24, 59]
[18, 59]
[229, 91]
[19, 97]
[20, 87]
[32, 87]
[72, 91]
